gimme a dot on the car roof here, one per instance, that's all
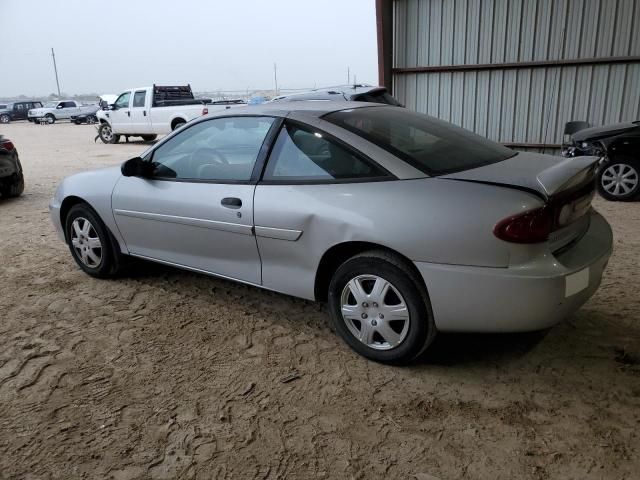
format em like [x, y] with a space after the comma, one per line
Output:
[311, 108]
[347, 91]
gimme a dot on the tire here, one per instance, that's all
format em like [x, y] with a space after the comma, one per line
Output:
[50, 118]
[4, 118]
[619, 179]
[149, 138]
[395, 342]
[178, 124]
[106, 134]
[100, 261]
[15, 188]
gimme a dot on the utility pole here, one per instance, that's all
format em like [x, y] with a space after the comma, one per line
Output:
[348, 77]
[275, 76]
[55, 69]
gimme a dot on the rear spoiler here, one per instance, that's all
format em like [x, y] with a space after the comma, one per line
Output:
[579, 170]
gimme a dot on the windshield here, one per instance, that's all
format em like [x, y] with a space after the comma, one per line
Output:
[431, 145]
[51, 105]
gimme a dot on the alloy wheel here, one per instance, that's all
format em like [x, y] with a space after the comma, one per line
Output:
[375, 312]
[86, 243]
[619, 179]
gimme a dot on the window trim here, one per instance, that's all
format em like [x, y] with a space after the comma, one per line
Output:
[332, 138]
[263, 152]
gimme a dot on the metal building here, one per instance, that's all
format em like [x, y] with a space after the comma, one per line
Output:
[513, 70]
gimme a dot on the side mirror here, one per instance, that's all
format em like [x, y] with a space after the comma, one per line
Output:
[59, 106]
[113, 106]
[136, 167]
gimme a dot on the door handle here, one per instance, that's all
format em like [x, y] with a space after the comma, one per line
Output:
[231, 202]
[128, 113]
[144, 113]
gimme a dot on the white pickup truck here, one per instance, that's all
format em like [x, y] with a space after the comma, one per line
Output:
[150, 111]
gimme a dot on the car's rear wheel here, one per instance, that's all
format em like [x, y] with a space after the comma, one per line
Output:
[620, 179]
[379, 307]
[106, 134]
[178, 124]
[4, 118]
[149, 138]
[92, 246]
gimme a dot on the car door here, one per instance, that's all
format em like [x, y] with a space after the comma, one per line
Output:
[196, 209]
[140, 119]
[307, 201]
[120, 115]
[65, 109]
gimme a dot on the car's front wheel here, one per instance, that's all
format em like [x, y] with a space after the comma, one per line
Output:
[379, 307]
[91, 245]
[50, 118]
[149, 138]
[620, 179]
[106, 134]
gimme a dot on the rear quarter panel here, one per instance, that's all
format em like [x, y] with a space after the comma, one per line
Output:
[429, 220]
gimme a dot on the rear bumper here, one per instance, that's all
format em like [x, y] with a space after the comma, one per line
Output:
[527, 297]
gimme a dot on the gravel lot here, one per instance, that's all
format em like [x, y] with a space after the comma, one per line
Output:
[167, 374]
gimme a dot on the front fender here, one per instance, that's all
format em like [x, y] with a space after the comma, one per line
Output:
[93, 187]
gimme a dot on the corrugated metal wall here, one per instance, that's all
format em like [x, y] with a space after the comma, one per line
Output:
[518, 105]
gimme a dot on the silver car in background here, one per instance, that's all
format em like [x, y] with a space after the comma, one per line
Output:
[405, 224]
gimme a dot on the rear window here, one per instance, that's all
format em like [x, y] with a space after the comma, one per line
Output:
[431, 145]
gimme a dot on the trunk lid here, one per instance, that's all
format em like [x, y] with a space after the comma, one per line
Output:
[567, 186]
[545, 175]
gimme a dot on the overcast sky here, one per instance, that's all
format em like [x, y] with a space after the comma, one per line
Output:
[106, 47]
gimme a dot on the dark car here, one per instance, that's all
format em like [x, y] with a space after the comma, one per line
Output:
[17, 110]
[619, 146]
[352, 93]
[11, 175]
[88, 116]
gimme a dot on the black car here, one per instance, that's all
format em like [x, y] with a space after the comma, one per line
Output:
[619, 147]
[17, 110]
[11, 175]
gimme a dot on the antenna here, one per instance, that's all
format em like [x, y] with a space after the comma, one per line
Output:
[55, 69]
[275, 76]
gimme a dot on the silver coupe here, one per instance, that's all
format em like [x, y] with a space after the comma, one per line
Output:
[405, 224]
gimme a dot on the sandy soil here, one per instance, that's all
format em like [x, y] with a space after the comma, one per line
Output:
[166, 374]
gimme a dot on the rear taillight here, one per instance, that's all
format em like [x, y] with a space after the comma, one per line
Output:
[533, 226]
[205, 111]
[7, 145]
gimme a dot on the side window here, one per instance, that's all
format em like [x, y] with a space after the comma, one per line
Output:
[223, 149]
[304, 155]
[20, 107]
[123, 100]
[138, 99]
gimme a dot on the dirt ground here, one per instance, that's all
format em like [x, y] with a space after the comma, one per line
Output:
[166, 374]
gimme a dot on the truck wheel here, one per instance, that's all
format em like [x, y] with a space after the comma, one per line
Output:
[4, 118]
[107, 135]
[50, 118]
[178, 124]
[149, 138]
